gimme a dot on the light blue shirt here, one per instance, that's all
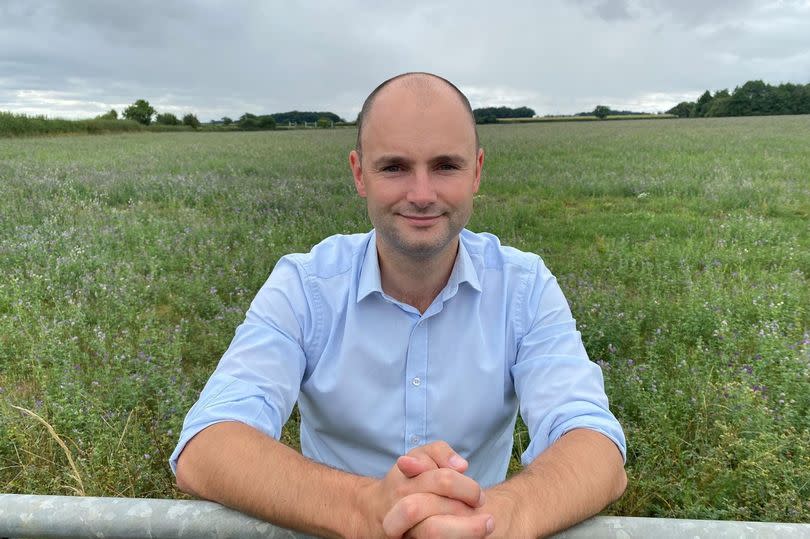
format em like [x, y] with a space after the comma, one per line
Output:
[374, 378]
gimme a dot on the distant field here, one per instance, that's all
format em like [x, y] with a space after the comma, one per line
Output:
[127, 261]
[542, 119]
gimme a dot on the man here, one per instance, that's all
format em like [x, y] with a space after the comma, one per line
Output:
[409, 350]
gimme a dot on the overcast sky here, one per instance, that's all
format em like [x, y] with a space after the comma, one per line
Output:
[79, 58]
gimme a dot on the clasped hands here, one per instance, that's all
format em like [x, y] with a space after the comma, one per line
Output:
[426, 494]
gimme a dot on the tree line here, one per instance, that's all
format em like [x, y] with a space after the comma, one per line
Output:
[754, 98]
[143, 112]
[251, 122]
[490, 115]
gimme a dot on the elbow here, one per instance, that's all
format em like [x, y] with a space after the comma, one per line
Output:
[184, 475]
[620, 483]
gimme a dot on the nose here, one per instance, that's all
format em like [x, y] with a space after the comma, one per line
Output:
[421, 191]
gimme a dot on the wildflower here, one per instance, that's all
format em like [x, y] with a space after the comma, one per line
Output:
[602, 364]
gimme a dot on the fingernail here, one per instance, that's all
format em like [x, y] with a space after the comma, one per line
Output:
[482, 499]
[457, 462]
[490, 525]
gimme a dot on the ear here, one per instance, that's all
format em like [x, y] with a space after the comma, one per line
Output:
[357, 172]
[479, 165]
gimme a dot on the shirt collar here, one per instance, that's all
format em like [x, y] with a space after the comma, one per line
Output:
[463, 272]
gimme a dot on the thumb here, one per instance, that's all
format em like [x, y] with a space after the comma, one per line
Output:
[411, 466]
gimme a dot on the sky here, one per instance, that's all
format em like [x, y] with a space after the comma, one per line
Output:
[80, 58]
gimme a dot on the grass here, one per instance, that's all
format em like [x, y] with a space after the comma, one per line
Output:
[127, 261]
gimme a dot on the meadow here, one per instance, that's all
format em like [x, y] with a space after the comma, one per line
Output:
[127, 261]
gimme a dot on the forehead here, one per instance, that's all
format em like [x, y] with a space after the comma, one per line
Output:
[410, 116]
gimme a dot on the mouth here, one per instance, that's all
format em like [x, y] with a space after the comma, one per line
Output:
[421, 220]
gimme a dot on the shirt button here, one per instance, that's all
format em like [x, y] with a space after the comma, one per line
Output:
[417, 381]
[414, 440]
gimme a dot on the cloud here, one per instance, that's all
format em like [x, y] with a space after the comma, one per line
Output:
[219, 58]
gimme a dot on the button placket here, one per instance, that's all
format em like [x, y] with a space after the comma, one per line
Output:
[415, 395]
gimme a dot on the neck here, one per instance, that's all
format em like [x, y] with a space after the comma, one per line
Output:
[416, 282]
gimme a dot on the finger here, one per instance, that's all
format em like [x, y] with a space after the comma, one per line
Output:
[450, 484]
[411, 466]
[443, 455]
[413, 509]
[454, 527]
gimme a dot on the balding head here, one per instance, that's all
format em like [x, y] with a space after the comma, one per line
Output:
[425, 87]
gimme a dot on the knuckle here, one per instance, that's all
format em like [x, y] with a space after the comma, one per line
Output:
[410, 509]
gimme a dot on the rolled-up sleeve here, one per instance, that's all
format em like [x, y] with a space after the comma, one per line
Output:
[258, 379]
[558, 387]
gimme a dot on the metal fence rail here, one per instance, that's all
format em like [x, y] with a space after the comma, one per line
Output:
[67, 517]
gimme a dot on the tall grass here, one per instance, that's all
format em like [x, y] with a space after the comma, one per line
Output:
[683, 248]
[21, 125]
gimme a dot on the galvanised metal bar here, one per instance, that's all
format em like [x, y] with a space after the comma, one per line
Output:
[67, 517]
[674, 528]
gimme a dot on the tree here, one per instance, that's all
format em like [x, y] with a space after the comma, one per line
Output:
[111, 115]
[703, 104]
[601, 111]
[266, 122]
[683, 109]
[248, 121]
[226, 120]
[324, 123]
[191, 121]
[167, 118]
[140, 111]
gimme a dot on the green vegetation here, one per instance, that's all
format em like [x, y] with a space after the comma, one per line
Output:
[167, 118]
[683, 248]
[140, 111]
[491, 115]
[754, 98]
[251, 122]
[587, 117]
[21, 125]
[191, 121]
[299, 117]
[601, 111]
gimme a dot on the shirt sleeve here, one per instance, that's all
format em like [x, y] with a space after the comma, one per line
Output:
[558, 387]
[259, 377]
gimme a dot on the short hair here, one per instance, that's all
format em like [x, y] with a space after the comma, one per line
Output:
[367, 104]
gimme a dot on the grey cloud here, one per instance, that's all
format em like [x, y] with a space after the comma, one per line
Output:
[225, 58]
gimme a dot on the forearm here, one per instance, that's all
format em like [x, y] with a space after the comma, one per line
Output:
[572, 480]
[240, 467]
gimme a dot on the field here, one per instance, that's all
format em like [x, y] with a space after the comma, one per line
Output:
[127, 261]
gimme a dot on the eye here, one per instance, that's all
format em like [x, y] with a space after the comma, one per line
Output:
[448, 166]
[391, 168]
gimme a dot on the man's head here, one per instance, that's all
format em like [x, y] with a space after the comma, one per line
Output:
[418, 164]
[417, 78]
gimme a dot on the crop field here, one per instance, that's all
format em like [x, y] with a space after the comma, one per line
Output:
[127, 261]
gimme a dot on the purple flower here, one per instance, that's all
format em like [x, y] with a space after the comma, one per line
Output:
[602, 364]
[748, 369]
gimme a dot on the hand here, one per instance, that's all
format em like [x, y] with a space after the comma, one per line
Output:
[445, 509]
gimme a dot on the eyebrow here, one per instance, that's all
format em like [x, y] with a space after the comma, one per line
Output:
[391, 159]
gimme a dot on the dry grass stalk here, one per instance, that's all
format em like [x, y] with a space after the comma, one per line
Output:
[80, 491]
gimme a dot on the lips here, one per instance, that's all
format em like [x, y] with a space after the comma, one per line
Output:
[421, 220]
